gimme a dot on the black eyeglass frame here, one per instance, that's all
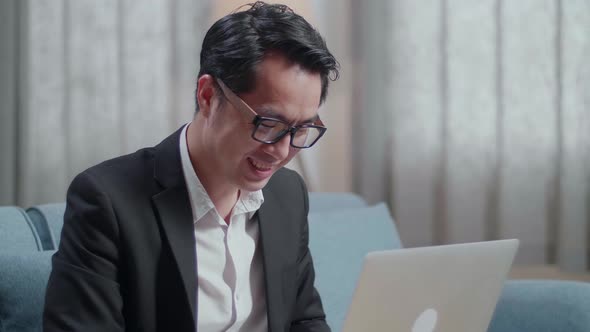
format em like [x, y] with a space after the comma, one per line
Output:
[258, 120]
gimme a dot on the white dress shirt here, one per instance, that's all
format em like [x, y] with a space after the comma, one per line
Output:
[231, 292]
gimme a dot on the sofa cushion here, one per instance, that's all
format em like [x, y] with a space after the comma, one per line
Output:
[543, 306]
[339, 241]
[23, 279]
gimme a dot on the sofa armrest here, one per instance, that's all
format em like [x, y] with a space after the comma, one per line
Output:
[48, 220]
[542, 306]
[23, 278]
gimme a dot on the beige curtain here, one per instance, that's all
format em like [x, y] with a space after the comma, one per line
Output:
[89, 80]
[478, 117]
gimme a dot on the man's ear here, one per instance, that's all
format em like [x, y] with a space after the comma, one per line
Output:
[205, 94]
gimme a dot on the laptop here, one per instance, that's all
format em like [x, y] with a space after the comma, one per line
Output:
[450, 288]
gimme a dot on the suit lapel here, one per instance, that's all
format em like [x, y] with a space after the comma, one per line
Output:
[173, 209]
[175, 214]
[271, 239]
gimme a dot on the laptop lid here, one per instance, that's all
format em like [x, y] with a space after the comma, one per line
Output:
[442, 288]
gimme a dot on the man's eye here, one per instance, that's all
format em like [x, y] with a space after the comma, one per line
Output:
[268, 124]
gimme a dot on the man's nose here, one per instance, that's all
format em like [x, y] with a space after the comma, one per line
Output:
[280, 149]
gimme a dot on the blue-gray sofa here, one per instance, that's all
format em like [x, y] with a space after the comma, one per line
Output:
[343, 228]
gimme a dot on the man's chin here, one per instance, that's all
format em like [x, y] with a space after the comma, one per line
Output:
[254, 184]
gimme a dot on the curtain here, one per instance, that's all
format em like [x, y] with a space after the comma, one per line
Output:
[478, 122]
[84, 81]
[90, 80]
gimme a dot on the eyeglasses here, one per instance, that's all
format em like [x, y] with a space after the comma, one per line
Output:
[270, 130]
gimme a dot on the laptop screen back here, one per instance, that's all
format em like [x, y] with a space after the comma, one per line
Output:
[442, 288]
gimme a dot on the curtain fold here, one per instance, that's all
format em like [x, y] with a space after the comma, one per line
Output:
[8, 99]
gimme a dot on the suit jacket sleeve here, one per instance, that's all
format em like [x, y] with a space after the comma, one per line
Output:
[309, 313]
[83, 292]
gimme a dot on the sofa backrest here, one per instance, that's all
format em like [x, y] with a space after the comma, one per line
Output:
[48, 218]
[17, 233]
[329, 201]
[339, 239]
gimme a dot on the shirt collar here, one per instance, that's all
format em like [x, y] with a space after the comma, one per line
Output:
[249, 201]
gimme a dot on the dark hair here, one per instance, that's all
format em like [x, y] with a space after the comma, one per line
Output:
[237, 43]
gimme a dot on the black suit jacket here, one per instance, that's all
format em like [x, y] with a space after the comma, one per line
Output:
[127, 261]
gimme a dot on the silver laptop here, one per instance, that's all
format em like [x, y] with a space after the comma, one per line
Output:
[451, 288]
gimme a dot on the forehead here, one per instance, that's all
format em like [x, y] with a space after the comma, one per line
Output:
[285, 90]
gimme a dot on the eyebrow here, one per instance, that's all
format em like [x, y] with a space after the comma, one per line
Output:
[270, 113]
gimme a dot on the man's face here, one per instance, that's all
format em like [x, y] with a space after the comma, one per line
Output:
[283, 91]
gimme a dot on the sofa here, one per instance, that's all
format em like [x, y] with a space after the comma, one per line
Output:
[343, 228]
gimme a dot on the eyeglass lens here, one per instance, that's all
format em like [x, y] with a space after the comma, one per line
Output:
[270, 131]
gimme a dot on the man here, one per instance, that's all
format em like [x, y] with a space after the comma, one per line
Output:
[206, 231]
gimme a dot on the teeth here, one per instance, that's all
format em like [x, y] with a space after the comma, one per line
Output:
[260, 166]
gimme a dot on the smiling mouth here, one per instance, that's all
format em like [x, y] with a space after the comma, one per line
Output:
[263, 167]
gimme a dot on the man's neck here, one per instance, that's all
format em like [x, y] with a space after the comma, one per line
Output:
[224, 202]
[222, 195]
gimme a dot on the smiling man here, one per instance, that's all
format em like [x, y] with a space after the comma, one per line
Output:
[206, 231]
